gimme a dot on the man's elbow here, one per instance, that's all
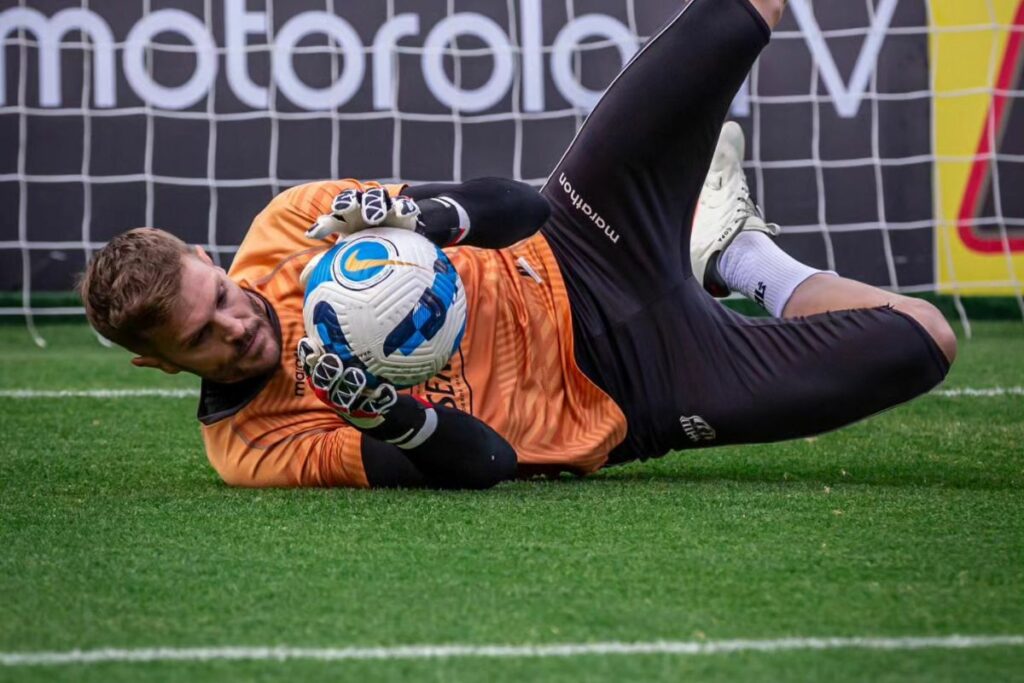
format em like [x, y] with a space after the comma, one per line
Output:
[539, 210]
[529, 204]
[242, 475]
[519, 203]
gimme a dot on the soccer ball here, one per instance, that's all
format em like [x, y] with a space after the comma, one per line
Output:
[389, 301]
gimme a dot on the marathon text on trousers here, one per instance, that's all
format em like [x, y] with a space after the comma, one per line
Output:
[583, 207]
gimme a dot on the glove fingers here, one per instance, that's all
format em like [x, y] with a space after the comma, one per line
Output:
[344, 388]
[347, 208]
[346, 205]
[344, 218]
[382, 399]
[355, 380]
[406, 208]
[326, 374]
[325, 226]
[328, 382]
[376, 205]
[348, 388]
[352, 211]
[404, 213]
[309, 355]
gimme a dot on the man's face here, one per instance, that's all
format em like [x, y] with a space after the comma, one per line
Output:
[216, 330]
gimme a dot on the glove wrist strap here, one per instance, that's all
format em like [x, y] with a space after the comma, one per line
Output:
[409, 423]
[415, 437]
[443, 221]
[464, 223]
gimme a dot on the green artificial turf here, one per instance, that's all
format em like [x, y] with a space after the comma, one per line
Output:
[115, 532]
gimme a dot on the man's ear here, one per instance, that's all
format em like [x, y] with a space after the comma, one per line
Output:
[150, 362]
[203, 256]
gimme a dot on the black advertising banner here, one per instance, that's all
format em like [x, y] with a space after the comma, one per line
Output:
[191, 114]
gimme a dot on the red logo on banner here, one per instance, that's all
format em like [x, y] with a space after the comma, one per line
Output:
[980, 180]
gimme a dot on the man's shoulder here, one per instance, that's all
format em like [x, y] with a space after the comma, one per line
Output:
[278, 232]
[311, 198]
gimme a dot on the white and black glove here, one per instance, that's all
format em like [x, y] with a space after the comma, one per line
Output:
[346, 390]
[354, 210]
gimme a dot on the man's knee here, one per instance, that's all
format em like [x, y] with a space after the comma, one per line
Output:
[934, 323]
[771, 10]
[500, 465]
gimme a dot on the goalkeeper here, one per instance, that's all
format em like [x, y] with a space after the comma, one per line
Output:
[592, 337]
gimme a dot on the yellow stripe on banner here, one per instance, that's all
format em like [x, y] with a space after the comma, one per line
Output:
[970, 45]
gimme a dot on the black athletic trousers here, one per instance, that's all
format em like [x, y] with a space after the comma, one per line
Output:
[686, 371]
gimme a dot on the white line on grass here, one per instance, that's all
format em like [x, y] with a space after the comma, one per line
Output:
[964, 392]
[979, 393]
[658, 647]
[99, 393]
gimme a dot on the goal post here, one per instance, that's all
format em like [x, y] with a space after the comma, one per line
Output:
[883, 135]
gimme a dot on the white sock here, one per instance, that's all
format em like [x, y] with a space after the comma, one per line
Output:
[754, 266]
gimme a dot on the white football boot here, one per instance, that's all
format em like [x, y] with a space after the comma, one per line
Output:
[724, 210]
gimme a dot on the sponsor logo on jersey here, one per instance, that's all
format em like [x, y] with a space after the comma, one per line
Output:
[299, 377]
[696, 428]
[450, 387]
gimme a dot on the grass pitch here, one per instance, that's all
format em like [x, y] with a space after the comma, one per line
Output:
[115, 532]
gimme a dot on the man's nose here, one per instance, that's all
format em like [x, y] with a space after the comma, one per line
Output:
[232, 329]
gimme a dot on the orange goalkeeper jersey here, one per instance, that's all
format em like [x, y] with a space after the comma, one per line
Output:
[514, 370]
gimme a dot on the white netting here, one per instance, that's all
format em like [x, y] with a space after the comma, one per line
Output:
[840, 114]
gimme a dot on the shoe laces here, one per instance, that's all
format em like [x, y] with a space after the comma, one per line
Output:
[747, 208]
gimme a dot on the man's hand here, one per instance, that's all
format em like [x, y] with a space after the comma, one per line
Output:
[345, 389]
[353, 211]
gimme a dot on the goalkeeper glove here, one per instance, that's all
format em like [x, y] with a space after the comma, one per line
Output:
[346, 390]
[353, 210]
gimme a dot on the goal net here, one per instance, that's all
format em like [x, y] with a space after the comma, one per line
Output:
[882, 134]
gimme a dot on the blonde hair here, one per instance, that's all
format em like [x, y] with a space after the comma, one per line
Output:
[131, 284]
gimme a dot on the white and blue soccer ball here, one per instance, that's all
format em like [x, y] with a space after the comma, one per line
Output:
[389, 301]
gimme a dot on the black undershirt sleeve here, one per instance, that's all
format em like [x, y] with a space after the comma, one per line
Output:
[461, 452]
[501, 212]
